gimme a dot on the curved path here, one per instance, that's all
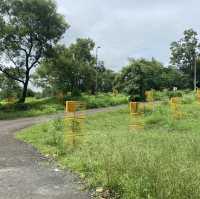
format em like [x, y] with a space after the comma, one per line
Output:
[26, 174]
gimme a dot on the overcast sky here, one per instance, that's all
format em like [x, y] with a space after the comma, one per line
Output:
[130, 28]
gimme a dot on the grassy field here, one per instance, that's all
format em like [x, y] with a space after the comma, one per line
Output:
[36, 107]
[160, 161]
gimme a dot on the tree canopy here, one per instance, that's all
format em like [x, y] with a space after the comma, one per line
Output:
[69, 69]
[142, 75]
[28, 30]
[9, 88]
[185, 52]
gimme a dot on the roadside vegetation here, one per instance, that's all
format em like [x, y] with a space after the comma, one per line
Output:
[159, 161]
[36, 107]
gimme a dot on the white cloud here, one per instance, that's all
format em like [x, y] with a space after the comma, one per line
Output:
[130, 28]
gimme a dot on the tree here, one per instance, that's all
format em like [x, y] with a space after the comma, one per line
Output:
[8, 88]
[173, 77]
[28, 30]
[69, 69]
[105, 78]
[185, 51]
[142, 75]
[131, 80]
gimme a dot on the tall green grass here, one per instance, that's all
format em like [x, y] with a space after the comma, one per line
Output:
[36, 107]
[159, 162]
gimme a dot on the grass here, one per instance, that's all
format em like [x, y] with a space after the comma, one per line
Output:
[36, 107]
[32, 107]
[159, 162]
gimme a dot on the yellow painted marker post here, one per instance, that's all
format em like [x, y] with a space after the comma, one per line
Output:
[198, 94]
[74, 119]
[60, 97]
[133, 107]
[11, 99]
[175, 104]
[115, 92]
[135, 116]
[150, 99]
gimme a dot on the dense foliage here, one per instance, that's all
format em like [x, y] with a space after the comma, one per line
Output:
[185, 53]
[28, 30]
[74, 69]
[9, 88]
[142, 75]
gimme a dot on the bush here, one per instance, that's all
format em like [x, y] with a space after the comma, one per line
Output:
[76, 93]
[35, 107]
[174, 94]
[161, 95]
[188, 99]
[30, 93]
[136, 98]
[21, 107]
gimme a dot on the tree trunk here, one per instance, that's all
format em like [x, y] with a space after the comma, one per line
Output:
[93, 90]
[25, 88]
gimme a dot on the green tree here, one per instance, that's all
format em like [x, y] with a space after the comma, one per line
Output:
[105, 78]
[131, 80]
[8, 88]
[29, 28]
[69, 69]
[107, 81]
[184, 53]
[142, 75]
[198, 72]
[173, 77]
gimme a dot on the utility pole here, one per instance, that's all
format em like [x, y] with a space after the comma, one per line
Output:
[96, 87]
[195, 73]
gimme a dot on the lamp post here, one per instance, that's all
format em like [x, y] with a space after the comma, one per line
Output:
[97, 48]
[195, 73]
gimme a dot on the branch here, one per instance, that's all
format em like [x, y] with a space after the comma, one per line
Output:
[10, 75]
[23, 50]
[31, 47]
[28, 55]
[37, 57]
[12, 60]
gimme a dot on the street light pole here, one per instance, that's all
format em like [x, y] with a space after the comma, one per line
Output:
[96, 87]
[195, 73]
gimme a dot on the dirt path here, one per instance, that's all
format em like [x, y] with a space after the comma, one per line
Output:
[25, 174]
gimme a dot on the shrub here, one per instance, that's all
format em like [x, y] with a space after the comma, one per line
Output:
[136, 98]
[188, 99]
[21, 107]
[174, 94]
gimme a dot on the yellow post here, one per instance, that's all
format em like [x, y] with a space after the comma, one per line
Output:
[71, 106]
[135, 116]
[149, 96]
[11, 99]
[198, 94]
[74, 119]
[133, 107]
[60, 97]
[150, 99]
[115, 92]
[175, 103]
